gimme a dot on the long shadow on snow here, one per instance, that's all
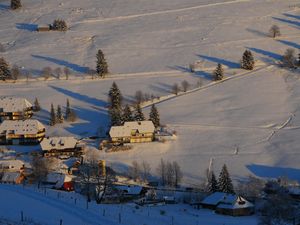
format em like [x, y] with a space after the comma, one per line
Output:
[266, 53]
[80, 97]
[291, 22]
[225, 62]
[257, 32]
[94, 121]
[75, 67]
[199, 73]
[26, 26]
[274, 172]
[4, 7]
[292, 16]
[289, 43]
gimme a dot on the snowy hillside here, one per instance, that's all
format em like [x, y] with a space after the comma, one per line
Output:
[251, 123]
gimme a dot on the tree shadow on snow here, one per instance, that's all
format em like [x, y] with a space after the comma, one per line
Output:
[292, 16]
[230, 64]
[274, 172]
[289, 43]
[257, 32]
[291, 22]
[197, 73]
[75, 67]
[80, 97]
[26, 26]
[270, 55]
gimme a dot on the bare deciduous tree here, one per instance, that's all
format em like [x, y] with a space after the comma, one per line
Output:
[46, 72]
[161, 170]
[146, 170]
[15, 72]
[139, 97]
[175, 89]
[67, 72]
[274, 31]
[289, 59]
[185, 85]
[135, 170]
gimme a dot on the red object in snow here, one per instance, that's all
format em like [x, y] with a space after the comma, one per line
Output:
[68, 186]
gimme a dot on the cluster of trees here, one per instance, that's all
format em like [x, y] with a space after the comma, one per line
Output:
[57, 116]
[59, 25]
[140, 171]
[176, 88]
[223, 184]
[5, 72]
[47, 72]
[170, 173]
[119, 114]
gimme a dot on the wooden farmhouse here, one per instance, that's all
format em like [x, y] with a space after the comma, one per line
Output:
[12, 171]
[133, 132]
[15, 132]
[228, 204]
[14, 108]
[61, 147]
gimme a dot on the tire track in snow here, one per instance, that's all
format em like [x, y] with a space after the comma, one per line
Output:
[161, 12]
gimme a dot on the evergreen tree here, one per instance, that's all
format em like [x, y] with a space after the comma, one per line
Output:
[68, 110]
[154, 116]
[115, 116]
[115, 105]
[101, 67]
[224, 182]
[52, 121]
[115, 96]
[59, 115]
[212, 183]
[4, 70]
[138, 116]
[127, 114]
[15, 4]
[247, 62]
[218, 73]
[36, 106]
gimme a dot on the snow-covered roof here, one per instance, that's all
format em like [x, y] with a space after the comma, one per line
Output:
[125, 130]
[14, 104]
[130, 189]
[21, 127]
[11, 164]
[59, 179]
[10, 177]
[225, 200]
[59, 143]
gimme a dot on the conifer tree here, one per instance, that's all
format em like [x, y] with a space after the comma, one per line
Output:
[115, 105]
[4, 70]
[138, 116]
[52, 121]
[127, 114]
[212, 183]
[15, 4]
[224, 182]
[218, 73]
[101, 66]
[59, 115]
[247, 62]
[154, 116]
[36, 106]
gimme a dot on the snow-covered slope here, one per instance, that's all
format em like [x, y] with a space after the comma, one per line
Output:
[250, 123]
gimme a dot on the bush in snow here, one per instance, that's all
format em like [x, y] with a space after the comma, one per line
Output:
[59, 25]
[15, 4]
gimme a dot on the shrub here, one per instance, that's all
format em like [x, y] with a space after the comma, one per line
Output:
[59, 25]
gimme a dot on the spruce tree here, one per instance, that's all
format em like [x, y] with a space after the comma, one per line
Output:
[4, 70]
[127, 114]
[52, 121]
[218, 73]
[154, 116]
[115, 105]
[68, 110]
[212, 183]
[15, 4]
[36, 106]
[101, 66]
[247, 62]
[224, 182]
[115, 96]
[138, 116]
[59, 115]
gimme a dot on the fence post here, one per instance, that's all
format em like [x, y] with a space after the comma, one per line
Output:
[61, 222]
[119, 217]
[22, 216]
[103, 212]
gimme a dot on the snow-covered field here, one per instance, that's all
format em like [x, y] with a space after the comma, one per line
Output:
[250, 122]
[50, 208]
